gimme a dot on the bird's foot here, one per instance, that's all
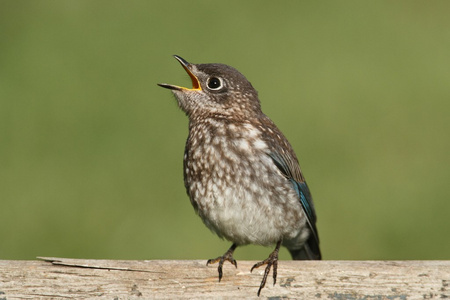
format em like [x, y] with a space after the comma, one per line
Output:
[228, 256]
[272, 260]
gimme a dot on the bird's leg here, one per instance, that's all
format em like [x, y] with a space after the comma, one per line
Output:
[227, 256]
[272, 260]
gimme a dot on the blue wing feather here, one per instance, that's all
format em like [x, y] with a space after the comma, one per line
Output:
[293, 174]
[302, 191]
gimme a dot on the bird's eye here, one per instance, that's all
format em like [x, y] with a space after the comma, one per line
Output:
[214, 83]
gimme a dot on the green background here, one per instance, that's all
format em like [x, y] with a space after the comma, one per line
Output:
[91, 148]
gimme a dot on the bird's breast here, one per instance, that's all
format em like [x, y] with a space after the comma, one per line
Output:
[235, 186]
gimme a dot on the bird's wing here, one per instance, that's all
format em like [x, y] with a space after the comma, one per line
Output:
[291, 170]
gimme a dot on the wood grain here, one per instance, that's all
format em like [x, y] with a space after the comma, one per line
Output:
[59, 278]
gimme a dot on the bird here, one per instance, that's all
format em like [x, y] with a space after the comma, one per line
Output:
[241, 174]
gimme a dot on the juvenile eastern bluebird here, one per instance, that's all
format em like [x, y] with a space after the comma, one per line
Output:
[240, 172]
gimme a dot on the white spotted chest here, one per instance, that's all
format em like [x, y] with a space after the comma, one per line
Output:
[236, 188]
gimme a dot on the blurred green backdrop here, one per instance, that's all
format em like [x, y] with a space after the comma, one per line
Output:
[91, 149]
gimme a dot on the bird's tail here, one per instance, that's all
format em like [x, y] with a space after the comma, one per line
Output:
[310, 251]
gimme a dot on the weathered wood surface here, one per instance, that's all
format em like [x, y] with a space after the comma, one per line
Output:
[163, 279]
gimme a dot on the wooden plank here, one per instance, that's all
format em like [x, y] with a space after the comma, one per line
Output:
[168, 279]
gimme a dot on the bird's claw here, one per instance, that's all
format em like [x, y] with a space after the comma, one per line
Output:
[228, 256]
[272, 260]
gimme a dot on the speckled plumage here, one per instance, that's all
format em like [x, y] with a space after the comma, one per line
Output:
[240, 172]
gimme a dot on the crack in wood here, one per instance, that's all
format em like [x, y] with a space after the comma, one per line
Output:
[68, 263]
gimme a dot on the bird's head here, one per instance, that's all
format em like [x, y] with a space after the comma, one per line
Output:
[217, 89]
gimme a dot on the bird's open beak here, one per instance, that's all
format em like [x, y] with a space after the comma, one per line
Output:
[187, 67]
